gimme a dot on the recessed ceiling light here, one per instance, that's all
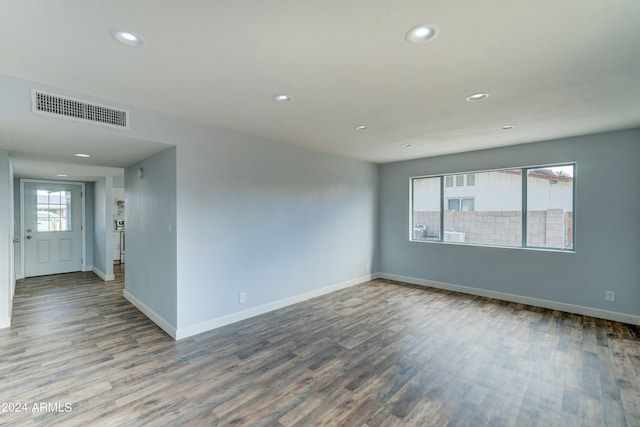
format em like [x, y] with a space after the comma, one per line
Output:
[81, 155]
[407, 145]
[507, 127]
[422, 33]
[282, 98]
[362, 127]
[61, 174]
[127, 38]
[477, 97]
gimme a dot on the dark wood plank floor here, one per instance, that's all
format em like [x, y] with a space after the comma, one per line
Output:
[377, 354]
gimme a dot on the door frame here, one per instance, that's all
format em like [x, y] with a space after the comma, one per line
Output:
[23, 246]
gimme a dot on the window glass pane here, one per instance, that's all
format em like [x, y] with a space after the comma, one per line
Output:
[453, 205]
[467, 205]
[54, 210]
[426, 208]
[471, 179]
[43, 221]
[550, 207]
[459, 180]
[491, 210]
[448, 181]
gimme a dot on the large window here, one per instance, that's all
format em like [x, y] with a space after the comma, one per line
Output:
[427, 214]
[519, 207]
[550, 207]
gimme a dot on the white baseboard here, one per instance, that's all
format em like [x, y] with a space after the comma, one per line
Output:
[5, 323]
[218, 322]
[537, 302]
[20, 276]
[104, 276]
[155, 317]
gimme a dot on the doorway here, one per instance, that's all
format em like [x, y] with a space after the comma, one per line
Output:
[52, 227]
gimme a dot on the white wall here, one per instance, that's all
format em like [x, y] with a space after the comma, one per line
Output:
[543, 194]
[426, 195]
[493, 191]
[496, 191]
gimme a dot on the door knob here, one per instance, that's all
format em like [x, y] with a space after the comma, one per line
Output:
[29, 237]
[16, 240]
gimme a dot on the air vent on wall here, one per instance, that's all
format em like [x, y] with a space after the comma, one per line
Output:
[75, 109]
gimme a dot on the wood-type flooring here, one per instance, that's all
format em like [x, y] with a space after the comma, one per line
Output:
[377, 354]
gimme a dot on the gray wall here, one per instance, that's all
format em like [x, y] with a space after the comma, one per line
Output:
[269, 219]
[607, 235]
[89, 203]
[6, 181]
[276, 221]
[103, 227]
[17, 247]
[150, 218]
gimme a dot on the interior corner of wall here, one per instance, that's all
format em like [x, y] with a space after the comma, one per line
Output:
[155, 317]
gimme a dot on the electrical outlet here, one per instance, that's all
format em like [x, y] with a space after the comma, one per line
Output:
[609, 296]
[242, 298]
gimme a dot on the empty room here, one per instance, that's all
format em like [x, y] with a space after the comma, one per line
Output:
[298, 213]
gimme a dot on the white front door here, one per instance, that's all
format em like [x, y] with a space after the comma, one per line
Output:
[52, 228]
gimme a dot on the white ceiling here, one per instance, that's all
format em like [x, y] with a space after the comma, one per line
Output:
[43, 150]
[552, 68]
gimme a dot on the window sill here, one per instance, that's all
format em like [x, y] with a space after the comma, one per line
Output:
[478, 245]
